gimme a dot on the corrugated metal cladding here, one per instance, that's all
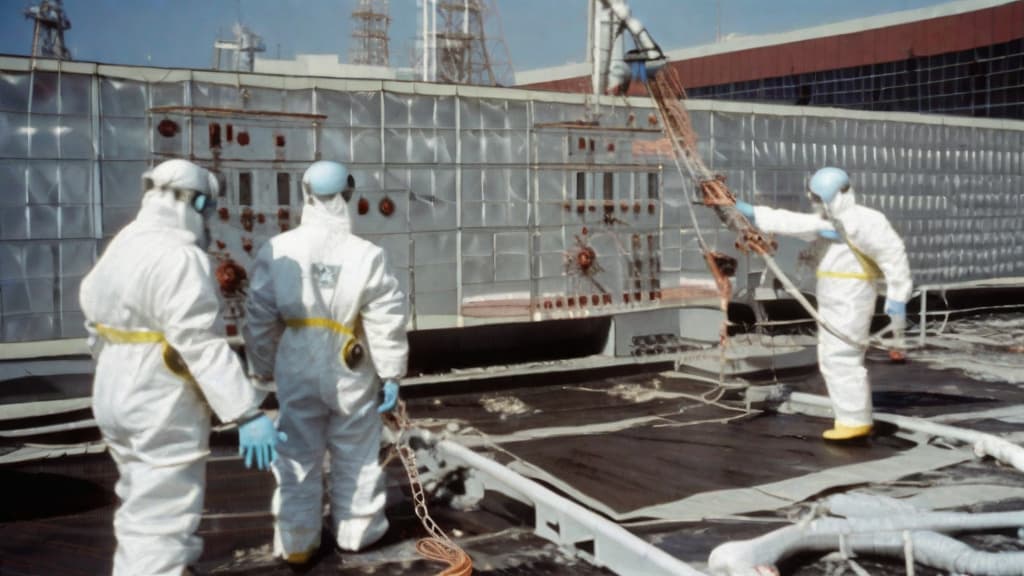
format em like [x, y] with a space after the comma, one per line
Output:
[494, 205]
[970, 63]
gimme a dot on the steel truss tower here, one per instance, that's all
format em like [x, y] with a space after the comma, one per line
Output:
[370, 21]
[464, 53]
[50, 24]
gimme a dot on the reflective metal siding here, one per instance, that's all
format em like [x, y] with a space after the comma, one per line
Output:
[495, 196]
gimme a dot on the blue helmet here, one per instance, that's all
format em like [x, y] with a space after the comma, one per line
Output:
[828, 182]
[326, 178]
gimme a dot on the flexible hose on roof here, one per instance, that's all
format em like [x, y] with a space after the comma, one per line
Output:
[885, 530]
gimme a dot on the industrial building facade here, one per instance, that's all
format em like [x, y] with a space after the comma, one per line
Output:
[964, 58]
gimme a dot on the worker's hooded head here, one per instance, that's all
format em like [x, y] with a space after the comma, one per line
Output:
[188, 190]
[830, 189]
[327, 187]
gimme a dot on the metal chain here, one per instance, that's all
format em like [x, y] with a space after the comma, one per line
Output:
[438, 547]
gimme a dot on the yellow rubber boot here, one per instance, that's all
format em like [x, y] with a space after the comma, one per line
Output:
[300, 557]
[843, 432]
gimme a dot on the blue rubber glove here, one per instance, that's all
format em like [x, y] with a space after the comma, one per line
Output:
[746, 209]
[390, 393]
[895, 308]
[829, 235]
[257, 438]
[897, 312]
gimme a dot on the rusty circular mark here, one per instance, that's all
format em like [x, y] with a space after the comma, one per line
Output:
[624, 206]
[243, 138]
[261, 218]
[230, 276]
[222, 213]
[167, 128]
[591, 207]
[636, 207]
[279, 140]
[580, 208]
[386, 206]
[558, 303]
[231, 329]
[583, 301]
[651, 209]
[582, 143]
[570, 301]
[625, 297]
[363, 206]
[567, 206]
[585, 231]
[595, 300]
[247, 244]
[611, 146]
[607, 298]
[585, 258]
[638, 296]
[652, 119]
[221, 245]
[547, 305]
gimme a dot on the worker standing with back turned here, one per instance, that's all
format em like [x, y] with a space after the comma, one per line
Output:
[864, 248]
[162, 363]
[326, 320]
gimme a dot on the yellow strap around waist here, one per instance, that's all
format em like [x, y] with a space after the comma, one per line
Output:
[849, 275]
[117, 336]
[318, 323]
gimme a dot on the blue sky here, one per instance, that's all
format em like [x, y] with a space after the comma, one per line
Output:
[539, 33]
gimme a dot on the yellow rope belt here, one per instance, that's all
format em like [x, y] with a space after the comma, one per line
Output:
[117, 336]
[172, 360]
[319, 323]
[851, 275]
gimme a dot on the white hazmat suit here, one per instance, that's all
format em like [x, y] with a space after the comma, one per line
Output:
[155, 328]
[315, 292]
[846, 290]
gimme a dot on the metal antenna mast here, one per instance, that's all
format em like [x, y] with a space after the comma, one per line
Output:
[50, 24]
[464, 54]
[370, 22]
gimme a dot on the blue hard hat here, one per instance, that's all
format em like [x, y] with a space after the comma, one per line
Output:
[326, 178]
[828, 182]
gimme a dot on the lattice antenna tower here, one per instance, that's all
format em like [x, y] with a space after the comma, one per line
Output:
[464, 53]
[370, 22]
[50, 24]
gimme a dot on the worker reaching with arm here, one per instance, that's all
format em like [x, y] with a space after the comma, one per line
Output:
[864, 248]
[162, 362]
[318, 294]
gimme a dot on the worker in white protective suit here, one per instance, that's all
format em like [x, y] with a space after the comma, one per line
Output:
[162, 363]
[864, 248]
[326, 320]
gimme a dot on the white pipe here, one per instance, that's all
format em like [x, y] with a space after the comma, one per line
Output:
[879, 525]
[614, 547]
[984, 444]
[929, 548]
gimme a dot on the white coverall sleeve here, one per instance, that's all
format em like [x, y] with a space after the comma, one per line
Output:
[188, 311]
[883, 244]
[263, 326]
[788, 223]
[383, 315]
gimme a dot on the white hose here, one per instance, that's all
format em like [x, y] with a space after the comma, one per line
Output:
[887, 532]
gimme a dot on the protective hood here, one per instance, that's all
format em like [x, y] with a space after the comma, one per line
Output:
[331, 211]
[160, 206]
[841, 203]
